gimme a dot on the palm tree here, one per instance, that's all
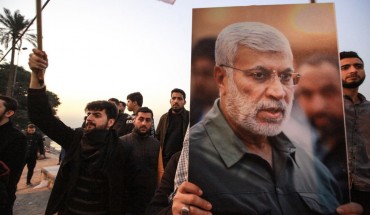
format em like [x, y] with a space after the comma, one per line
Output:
[11, 33]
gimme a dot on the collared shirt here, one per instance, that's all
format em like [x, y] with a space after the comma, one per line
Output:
[236, 181]
[183, 163]
[358, 141]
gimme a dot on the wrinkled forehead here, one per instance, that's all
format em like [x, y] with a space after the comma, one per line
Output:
[252, 57]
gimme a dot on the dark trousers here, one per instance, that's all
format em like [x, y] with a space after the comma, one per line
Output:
[31, 163]
[363, 198]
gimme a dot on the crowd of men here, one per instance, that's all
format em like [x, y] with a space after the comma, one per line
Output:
[236, 158]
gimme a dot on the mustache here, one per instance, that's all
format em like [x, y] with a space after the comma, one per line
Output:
[90, 123]
[353, 75]
[272, 105]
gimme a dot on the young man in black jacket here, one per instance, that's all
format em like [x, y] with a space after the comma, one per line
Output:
[12, 153]
[145, 152]
[98, 174]
[172, 126]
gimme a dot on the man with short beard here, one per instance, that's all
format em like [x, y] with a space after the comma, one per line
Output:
[13, 147]
[172, 126]
[203, 89]
[239, 160]
[357, 114]
[98, 173]
[319, 95]
[145, 152]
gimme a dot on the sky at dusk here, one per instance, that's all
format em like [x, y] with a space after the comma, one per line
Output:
[103, 49]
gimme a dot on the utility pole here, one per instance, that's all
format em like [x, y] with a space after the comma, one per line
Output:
[16, 70]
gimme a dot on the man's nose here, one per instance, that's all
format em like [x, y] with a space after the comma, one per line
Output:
[89, 117]
[318, 103]
[275, 88]
[353, 69]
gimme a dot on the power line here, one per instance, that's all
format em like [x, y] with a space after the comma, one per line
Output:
[25, 30]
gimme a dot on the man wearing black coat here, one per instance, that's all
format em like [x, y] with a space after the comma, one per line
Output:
[12, 153]
[145, 152]
[97, 175]
[35, 144]
[172, 126]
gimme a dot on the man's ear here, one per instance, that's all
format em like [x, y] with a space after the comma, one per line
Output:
[9, 113]
[111, 122]
[220, 77]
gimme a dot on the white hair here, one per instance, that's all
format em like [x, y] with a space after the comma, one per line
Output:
[254, 35]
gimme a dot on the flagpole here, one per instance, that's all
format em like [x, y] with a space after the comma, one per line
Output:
[39, 36]
[39, 24]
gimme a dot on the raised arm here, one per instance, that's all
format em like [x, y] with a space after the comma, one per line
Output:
[39, 110]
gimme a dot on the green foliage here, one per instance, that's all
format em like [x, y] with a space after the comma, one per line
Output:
[13, 30]
[21, 91]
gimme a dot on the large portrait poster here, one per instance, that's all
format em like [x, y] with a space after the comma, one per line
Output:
[267, 133]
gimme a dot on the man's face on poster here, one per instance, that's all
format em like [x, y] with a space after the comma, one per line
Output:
[319, 95]
[257, 103]
[203, 85]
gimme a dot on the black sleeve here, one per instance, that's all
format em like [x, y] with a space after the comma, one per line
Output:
[14, 159]
[41, 114]
[158, 131]
[127, 126]
[159, 203]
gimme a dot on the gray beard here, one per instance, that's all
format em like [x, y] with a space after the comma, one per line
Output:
[244, 112]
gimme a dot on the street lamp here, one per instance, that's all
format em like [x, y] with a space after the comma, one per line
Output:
[16, 68]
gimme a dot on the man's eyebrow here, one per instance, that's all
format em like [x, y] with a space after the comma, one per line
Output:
[289, 69]
[94, 112]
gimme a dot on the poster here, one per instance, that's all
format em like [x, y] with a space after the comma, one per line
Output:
[246, 169]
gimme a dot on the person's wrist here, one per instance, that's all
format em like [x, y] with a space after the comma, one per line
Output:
[37, 81]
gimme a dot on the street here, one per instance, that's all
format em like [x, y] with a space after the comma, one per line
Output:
[32, 201]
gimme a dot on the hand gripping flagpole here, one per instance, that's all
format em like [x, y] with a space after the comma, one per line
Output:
[40, 75]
